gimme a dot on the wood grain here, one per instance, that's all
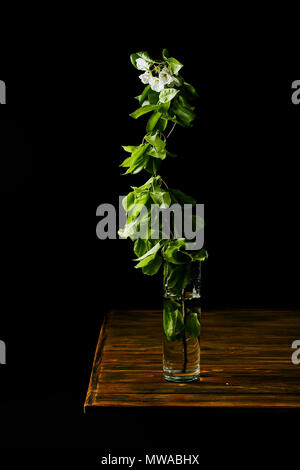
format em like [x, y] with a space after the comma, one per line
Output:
[245, 362]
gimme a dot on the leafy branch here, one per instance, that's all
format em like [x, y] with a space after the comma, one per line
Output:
[167, 100]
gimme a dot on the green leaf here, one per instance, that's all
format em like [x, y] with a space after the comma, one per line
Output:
[156, 141]
[153, 96]
[139, 165]
[140, 55]
[147, 185]
[182, 198]
[173, 254]
[161, 154]
[185, 116]
[154, 118]
[130, 148]
[192, 325]
[177, 277]
[165, 54]
[153, 165]
[137, 160]
[133, 59]
[201, 255]
[128, 230]
[153, 251]
[144, 95]
[127, 162]
[143, 110]
[144, 55]
[138, 151]
[190, 90]
[144, 228]
[141, 247]
[182, 99]
[175, 65]
[140, 201]
[153, 267]
[144, 262]
[161, 198]
[162, 124]
[128, 201]
[132, 226]
[172, 155]
[167, 94]
[164, 107]
[172, 320]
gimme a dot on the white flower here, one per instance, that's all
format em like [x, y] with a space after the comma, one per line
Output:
[156, 84]
[145, 77]
[142, 64]
[165, 76]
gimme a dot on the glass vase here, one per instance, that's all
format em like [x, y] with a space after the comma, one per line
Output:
[181, 347]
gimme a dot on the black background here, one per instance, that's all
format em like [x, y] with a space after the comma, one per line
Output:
[61, 136]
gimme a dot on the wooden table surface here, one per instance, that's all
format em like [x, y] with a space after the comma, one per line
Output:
[245, 362]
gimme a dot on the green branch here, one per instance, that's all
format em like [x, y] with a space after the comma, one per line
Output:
[166, 99]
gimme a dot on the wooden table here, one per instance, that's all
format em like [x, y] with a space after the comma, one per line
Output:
[245, 362]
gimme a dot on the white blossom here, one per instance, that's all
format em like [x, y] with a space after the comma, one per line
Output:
[142, 64]
[145, 77]
[165, 76]
[156, 84]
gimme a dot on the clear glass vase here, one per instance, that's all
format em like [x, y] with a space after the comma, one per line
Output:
[181, 348]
